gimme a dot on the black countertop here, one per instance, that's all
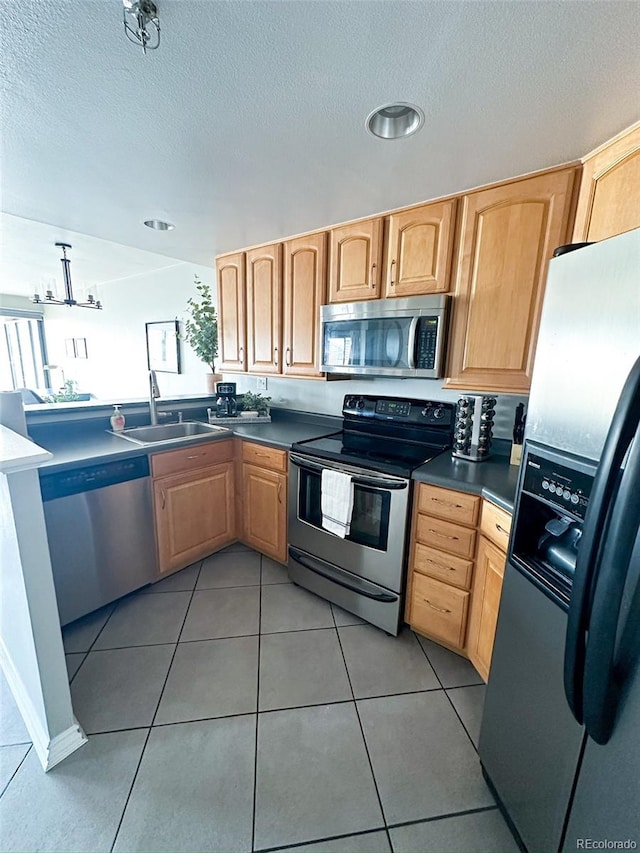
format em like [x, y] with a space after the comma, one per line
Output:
[77, 444]
[494, 478]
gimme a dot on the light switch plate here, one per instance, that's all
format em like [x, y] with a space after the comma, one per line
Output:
[261, 383]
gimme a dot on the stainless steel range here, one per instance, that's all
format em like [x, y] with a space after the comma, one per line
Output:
[383, 440]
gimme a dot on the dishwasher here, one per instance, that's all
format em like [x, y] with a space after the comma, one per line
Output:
[100, 529]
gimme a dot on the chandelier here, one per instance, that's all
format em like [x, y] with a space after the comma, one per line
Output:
[141, 23]
[68, 289]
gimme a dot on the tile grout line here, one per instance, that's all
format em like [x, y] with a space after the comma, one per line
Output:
[255, 756]
[314, 841]
[21, 762]
[146, 740]
[364, 740]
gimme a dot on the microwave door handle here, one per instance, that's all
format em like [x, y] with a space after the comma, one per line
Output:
[411, 343]
[371, 480]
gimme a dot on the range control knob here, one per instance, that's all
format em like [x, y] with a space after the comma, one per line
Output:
[350, 403]
[438, 412]
[360, 403]
[426, 412]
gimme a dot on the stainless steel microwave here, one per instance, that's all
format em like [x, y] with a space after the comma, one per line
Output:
[386, 337]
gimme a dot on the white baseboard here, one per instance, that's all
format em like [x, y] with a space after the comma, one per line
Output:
[49, 750]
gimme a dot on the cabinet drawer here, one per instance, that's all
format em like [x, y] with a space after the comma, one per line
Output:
[445, 536]
[444, 567]
[448, 504]
[188, 458]
[264, 457]
[495, 523]
[439, 610]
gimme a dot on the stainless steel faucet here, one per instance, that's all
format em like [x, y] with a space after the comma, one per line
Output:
[154, 393]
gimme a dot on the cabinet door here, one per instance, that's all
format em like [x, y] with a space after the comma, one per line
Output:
[507, 236]
[194, 515]
[231, 312]
[264, 495]
[485, 602]
[609, 200]
[305, 272]
[354, 261]
[419, 246]
[264, 309]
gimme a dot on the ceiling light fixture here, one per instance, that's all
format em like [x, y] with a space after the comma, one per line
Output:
[394, 121]
[159, 225]
[68, 290]
[137, 16]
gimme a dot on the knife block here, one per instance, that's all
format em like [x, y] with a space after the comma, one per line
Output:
[473, 430]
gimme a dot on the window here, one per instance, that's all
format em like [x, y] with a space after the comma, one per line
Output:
[22, 351]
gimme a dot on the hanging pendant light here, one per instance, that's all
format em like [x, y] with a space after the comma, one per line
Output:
[142, 23]
[68, 289]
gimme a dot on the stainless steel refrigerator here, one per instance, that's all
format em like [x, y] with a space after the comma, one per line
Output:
[560, 735]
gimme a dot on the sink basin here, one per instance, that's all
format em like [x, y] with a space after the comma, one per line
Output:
[169, 432]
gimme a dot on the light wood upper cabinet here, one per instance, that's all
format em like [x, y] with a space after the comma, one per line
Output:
[485, 604]
[305, 273]
[231, 312]
[609, 199]
[419, 247]
[264, 309]
[507, 236]
[355, 255]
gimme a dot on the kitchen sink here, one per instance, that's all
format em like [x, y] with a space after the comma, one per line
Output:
[170, 432]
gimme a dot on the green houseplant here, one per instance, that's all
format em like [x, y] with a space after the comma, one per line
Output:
[201, 329]
[255, 403]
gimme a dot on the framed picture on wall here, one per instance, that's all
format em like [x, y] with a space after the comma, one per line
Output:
[163, 346]
[70, 347]
[81, 347]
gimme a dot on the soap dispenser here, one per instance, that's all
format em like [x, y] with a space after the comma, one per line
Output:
[117, 419]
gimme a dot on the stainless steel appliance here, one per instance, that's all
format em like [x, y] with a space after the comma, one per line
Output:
[226, 406]
[560, 735]
[382, 441]
[100, 528]
[386, 337]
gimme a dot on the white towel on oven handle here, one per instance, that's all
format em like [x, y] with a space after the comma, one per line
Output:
[336, 502]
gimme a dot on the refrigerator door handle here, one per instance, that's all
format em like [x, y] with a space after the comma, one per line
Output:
[604, 664]
[622, 429]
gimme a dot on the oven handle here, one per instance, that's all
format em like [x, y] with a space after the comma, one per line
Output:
[315, 566]
[359, 479]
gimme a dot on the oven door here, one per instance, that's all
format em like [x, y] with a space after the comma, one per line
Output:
[374, 548]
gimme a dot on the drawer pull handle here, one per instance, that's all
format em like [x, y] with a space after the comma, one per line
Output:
[447, 503]
[501, 530]
[196, 456]
[279, 492]
[433, 607]
[163, 498]
[442, 535]
[440, 565]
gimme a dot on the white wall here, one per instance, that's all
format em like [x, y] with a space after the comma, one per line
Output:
[116, 367]
[326, 397]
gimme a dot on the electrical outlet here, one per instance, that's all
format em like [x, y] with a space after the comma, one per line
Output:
[261, 383]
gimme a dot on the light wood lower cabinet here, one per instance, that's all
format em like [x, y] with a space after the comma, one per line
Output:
[263, 482]
[453, 598]
[487, 589]
[193, 496]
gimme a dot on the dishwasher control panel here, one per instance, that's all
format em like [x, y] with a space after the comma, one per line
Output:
[62, 484]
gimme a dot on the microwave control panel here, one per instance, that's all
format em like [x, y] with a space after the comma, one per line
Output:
[426, 340]
[561, 486]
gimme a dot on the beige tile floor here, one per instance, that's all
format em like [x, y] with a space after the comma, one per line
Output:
[229, 710]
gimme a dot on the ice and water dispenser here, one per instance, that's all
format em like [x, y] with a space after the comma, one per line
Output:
[551, 507]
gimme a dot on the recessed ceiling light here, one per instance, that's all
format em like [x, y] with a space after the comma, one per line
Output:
[393, 121]
[159, 225]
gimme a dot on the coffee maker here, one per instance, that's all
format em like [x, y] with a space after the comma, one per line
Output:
[226, 406]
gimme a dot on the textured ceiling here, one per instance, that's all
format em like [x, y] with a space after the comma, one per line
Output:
[248, 123]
